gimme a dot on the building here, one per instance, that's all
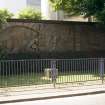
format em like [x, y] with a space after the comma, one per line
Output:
[48, 13]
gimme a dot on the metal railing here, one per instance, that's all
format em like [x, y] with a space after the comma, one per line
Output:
[39, 72]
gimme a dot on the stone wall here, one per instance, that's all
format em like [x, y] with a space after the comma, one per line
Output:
[28, 36]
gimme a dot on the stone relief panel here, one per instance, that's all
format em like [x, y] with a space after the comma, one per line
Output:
[19, 39]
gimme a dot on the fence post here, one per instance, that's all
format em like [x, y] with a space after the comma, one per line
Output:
[53, 72]
[101, 69]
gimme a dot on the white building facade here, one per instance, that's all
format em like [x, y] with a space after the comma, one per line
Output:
[49, 13]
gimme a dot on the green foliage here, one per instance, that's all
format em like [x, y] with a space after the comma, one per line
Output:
[100, 16]
[88, 8]
[4, 15]
[29, 13]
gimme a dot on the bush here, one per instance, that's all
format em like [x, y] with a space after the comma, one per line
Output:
[29, 13]
[4, 15]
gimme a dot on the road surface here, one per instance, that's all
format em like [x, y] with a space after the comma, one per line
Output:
[97, 99]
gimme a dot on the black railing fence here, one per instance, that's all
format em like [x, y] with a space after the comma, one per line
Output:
[50, 71]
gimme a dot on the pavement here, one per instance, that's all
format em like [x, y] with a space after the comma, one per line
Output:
[49, 93]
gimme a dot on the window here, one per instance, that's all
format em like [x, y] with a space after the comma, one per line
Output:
[34, 3]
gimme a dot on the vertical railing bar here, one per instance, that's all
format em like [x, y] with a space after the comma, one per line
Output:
[17, 72]
[85, 68]
[65, 70]
[89, 72]
[79, 63]
[74, 76]
[95, 68]
[98, 67]
[41, 73]
[91, 75]
[68, 63]
[87, 77]
[14, 71]
[94, 63]
[68, 66]
[22, 72]
[82, 69]
[49, 72]
[34, 66]
[63, 79]
[36, 71]
[76, 70]
[28, 73]
[61, 72]
[4, 74]
[33, 73]
[89, 66]
[71, 69]
[12, 67]
[0, 75]
[9, 73]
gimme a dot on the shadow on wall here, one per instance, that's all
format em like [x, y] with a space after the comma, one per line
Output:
[56, 55]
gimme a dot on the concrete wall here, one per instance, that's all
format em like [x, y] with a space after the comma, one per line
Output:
[21, 36]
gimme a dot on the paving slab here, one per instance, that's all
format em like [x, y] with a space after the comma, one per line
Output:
[41, 94]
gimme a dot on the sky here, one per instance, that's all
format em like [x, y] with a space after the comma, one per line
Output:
[13, 5]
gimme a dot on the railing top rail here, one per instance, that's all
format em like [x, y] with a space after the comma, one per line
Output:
[52, 59]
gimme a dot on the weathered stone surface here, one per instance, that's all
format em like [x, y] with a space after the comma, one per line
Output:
[51, 37]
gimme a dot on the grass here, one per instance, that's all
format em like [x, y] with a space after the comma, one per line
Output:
[22, 80]
[76, 77]
[39, 79]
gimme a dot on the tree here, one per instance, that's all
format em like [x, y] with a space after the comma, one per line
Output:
[4, 15]
[87, 8]
[29, 13]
